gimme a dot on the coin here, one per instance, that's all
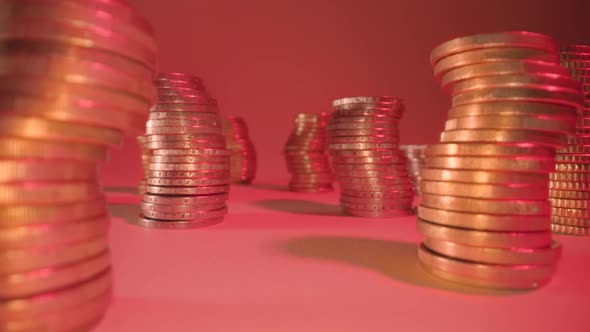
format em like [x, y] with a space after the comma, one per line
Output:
[184, 224]
[531, 165]
[499, 108]
[570, 230]
[558, 125]
[187, 190]
[179, 216]
[492, 191]
[489, 177]
[486, 206]
[502, 136]
[561, 97]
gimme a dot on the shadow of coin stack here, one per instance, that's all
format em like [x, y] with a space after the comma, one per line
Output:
[305, 154]
[570, 183]
[188, 178]
[484, 212]
[241, 150]
[145, 164]
[363, 141]
[416, 155]
[76, 76]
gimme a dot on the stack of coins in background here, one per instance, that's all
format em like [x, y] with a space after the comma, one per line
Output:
[145, 164]
[77, 75]
[241, 150]
[570, 183]
[416, 155]
[363, 140]
[188, 177]
[305, 154]
[484, 209]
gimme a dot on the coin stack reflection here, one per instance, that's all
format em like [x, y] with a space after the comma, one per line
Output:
[145, 163]
[241, 150]
[76, 76]
[188, 178]
[416, 155]
[570, 183]
[305, 154]
[484, 211]
[363, 140]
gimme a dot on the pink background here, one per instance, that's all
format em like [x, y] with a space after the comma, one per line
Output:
[267, 60]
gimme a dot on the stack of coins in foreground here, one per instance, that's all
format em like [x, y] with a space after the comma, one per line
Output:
[241, 150]
[188, 178]
[416, 155]
[305, 154]
[145, 163]
[363, 140]
[484, 210]
[570, 183]
[76, 76]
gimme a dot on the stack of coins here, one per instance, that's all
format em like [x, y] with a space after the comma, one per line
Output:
[416, 155]
[363, 140]
[145, 164]
[305, 154]
[484, 209]
[77, 75]
[188, 178]
[241, 150]
[570, 183]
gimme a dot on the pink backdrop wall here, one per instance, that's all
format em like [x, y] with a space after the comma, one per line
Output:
[267, 60]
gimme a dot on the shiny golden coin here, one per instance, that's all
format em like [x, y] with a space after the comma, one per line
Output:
[25, 148]
[516, 108]
[26, 215]
[191, 152]
[570, 213]
[570, 221]
[575, 159]
[557, 125]
[559, 167]
[521, 164]
[569, 194]
[485, 275]
[48, 192]
[503, 191]
[503, 136]
[561, 97]
[569, 203]
[570, 177]
[485, 222]
[35, 170]
[569, 185]
[570, 230]
[502, 256]
[489, 149]
[484, 177]
[507, 39]
[486, 206]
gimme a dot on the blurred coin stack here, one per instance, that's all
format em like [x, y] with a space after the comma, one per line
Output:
[76, 76]
[363, 140]
[145, 163]
[189, 169]
[484, 211]
[570, 183]
[305, 154]
[241, 150]
[416, 155]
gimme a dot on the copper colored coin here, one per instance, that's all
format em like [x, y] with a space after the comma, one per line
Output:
[176, 209]
[573, 168]
[569, 194]
[557, 125]
[569, 203]
[362, 146]
[570, 213]
[489, 177]
[184, 224]
[364, 153]
[521, 164]
[16, 170]
[396, 213]
[187, 182]
[178, 216]
[571, 221]
[24, 193]
[519, 108]
[362, 139]
[490, 149]
[486, 206]
[369, 160]
[200, 167]
[503, 136]
[380, 181]
[385, 194]
[191, 152]
[532, 192]
[196, 175]
[214, 143]
[11, 147]
[561, 97]
[187, 191]
[570, 230]
[189, 159]
[182, 137]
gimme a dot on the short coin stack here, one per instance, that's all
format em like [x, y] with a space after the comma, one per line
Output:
[363, 140]
[570, 183]
[76, 76]
[145, 164]
[484, 210]
[416, 155]
[241, 150]
[188, 178]
[305, 154]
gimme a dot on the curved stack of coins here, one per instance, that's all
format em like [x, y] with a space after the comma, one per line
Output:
[484, 209]
[188, 178]
[241, 150]
[305, 154]
[416, 155]
[76, 76]
[570, 183]
[372, 171]
[145, 164]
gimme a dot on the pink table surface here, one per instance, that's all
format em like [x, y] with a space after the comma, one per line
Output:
[286, 262]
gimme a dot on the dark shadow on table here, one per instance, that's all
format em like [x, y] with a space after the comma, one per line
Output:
[268, 186]
[396, 260]
[301, 207]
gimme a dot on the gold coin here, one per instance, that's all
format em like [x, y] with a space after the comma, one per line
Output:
[188, 191]
[176, 224]
[25, 148]
[503, 136]
[494, 40]
[569, 203]
[558, 125]
[23, 215]
[575, 159]
[570, 221]
[35, 170]
[572, 167]
[485, 222]
[178, 216]
[569, 177]
[503, 191]
[570, 213]
[500, 108]
[487, 177]
[561, 97]
[187, 145]
[486, 206]
[489, 149]
[570, 230]
[569, 194]
[530, 165]
[198, 167]
[569, 185]
[48, 192]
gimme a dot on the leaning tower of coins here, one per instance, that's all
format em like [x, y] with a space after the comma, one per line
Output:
[570, 183]
[76, 76]
[188, 177]
[242, 153]
[485, 213]
[416, 155]
[306, 155]
[363, 140]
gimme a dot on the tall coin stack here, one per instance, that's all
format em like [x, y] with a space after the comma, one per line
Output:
[145, 163]
[570, 183]
[188, 178]
[305, 154]
[77, 75]
[363, 140]
[241, 150]
[416, 155]
[484, 211]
